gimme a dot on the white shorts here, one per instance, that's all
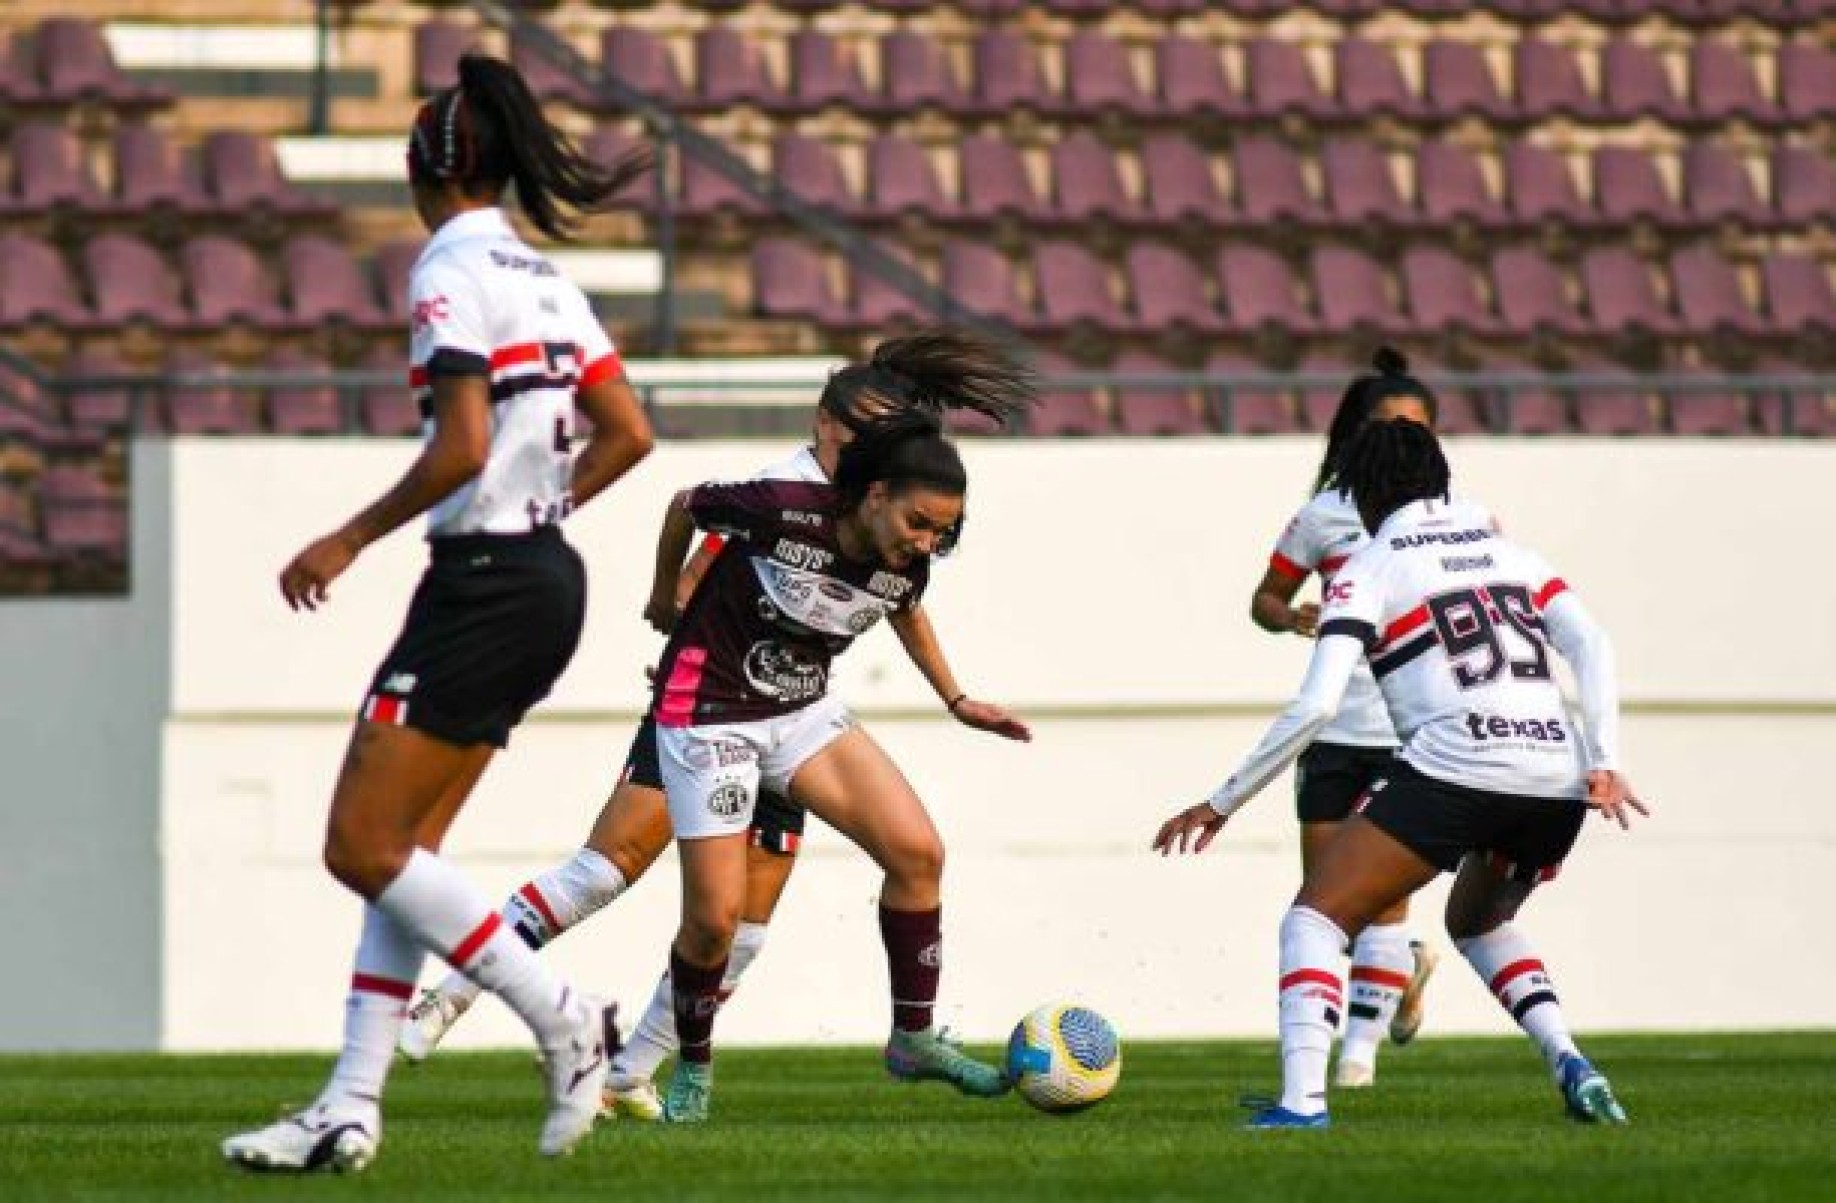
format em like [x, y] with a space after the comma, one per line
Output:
[711, 774]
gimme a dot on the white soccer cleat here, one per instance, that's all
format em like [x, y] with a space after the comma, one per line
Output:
[1409, 1009]
[1353, 1075]
[312, 1141]
[576, 1074]
[427, 1023]
[633, 1098]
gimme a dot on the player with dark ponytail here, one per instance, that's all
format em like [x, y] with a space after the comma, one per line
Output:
[502, 353]
[1492, 781]
[890, 404]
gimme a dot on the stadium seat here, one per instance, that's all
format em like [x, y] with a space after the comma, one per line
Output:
[1153, 411]
[1281, 84]
[728, 66]
[1360, 190]
[1549, 83]
[1529, 410]
[1271, 188]
[1086, 182]
[99, 407]
[1719, 188]
[549, 82]
[1250, 410]
[1169, 291]
[130, 282]
[917, 75]
[1715, 412]
[388, 409]
[1622, 295]
[151, 176]
[37, 286]
[327, 287]
[228, 285]
[1618, 408]
[1803, 184]
[437, 47]
[901, 181]
[82, 515]
[303, 409]
[1370, 83]
[1190, 74]
[1708, 294]
[1458, 82]
[1634, 86]
[642, 59]
[824, 74]
[1260, 291]
[1533, 297]
[76, 67]
[808, 168]
[204, 408]
[1793, 411]
[708, 193]
[1541, 190]
[1444, 293]
[1065, 411]
[1352, 292]
[243, 175]
[1099, 79]
[982, 280]
[1723, 86]
[49, 170]
[1806, 82]
[1628, 189]
[1007, 75]
[1072, 289]
[994, 181]
[1179, 184]
[1450, 187]
[877, 304]
[1799, 298]
[791, 280]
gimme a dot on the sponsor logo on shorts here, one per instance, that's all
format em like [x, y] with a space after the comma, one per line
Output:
[718, 754]
[728, 800]
[783, 673]
[1487, 727]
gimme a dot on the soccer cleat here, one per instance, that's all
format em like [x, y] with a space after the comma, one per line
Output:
[576, 1072]
[933, 1056]
[1587, 1093]
[691, 1089]
[633, 1098]
[427, 1023]
[1354, 1075]
[1409, 1008]
[311, 1141]
[1271, 1118]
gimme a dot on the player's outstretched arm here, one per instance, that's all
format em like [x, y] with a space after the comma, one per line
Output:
[919, 638]
[454, 456]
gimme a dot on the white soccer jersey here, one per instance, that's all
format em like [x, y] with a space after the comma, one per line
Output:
[1321, 538]
[482, 302]
[1452, 618]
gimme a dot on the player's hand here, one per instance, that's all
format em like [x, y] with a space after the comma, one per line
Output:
[986, 716]
[1306, 620]
[1195, 825]
[1611, 794]
[661, 614]
[303, 582]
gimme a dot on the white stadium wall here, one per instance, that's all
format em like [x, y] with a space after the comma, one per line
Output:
[169, 757]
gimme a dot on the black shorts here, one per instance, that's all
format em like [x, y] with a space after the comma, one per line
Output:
[1442, 822]
[492, 625]
[1330, 779]
[777, 822]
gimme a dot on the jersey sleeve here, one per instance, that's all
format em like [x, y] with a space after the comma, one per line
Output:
[449, 334]
[1354, 602]
[1299, 549]
[599, 358]
[731, 509]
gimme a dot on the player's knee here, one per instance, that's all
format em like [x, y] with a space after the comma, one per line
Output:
[364, 865]
[707, 931]
[918, 860]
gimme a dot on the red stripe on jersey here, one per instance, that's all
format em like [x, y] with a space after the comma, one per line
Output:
[1332, 564]
[417, 377]
[604, 368]
[534, 898]
[381, 709]
[1513, 971]
[1320, 977]
[1551, 590]
[369, 983]
[1380, 977]
[509, 357]
[1288, 568]
[1414, 619]
[468, 947]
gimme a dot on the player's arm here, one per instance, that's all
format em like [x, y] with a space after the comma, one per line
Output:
[1272, 605]
[455, 455]
[672, 547]
[621, 434]
[689, 578]
[1585, 645]
[919, 637]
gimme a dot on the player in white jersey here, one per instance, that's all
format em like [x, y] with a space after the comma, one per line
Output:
[502, 350]
[1493, 778]
[633, 827]
[1389, 971]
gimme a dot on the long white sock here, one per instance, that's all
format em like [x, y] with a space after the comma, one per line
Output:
[655, 1036]
[1380, 967]
[388, 961]
[434, 901]
[547, 905]
[1312, 995]
[1510, 968]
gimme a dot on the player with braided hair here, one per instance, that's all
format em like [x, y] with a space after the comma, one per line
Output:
[1493, 779]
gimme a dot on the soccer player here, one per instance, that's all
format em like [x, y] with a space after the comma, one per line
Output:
[1388, 970]
[742, 699]
[633, 829]
[1493, 780]
[502, 349]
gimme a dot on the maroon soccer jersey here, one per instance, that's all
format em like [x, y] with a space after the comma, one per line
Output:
[777, 605]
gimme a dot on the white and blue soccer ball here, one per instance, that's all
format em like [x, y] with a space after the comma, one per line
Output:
[1064, 1058]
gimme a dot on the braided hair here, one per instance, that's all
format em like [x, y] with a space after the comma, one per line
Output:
[488, 131]
[935, 370]
[1389, 378]
[1390, 464]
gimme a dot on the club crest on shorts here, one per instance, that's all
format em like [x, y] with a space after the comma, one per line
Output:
[727, 800]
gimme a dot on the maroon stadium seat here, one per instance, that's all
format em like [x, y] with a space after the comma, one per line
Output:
[1444, 293]
[1708, 293]
[388, 409]
[642, 59]
[1248, 410]
[327, 287]
[706, 192]
[730, 69]
[1168, 290]
[76, 66]
[1261, 291]
[37, 286]
[1540, 188]
[808, 168]
[994, 181]
[1710, 412]
[901, 180]
[1063, 411]
[981, 279]
[1086, 181]
[1360, 190]
[1370, 82]
[1614, 409]
[1192, 82]
[1270, 186]
[1549, 83]
[1450, 186]
[204, 408]
[1628, 188]
[131, 282]
[1179, 184]
[1718, 187]
[546, 80]
[824, 73]
[1621, 293]
[243, 174]
[1007, 74]
[228, 284]
[1799, 298]
[1533, 409]
[151, 175]
[1098, 77]
[1802, 411]
[49, 170]
[1073, 288]
[1352, 291]
[1807, 82]
[791, 280]
[99, 407]
[1458, 82]
[1723, 86]
[437, 47]
[1532, 294]
[82, 514]
[1803, 184]
[1153, 411]
[878, 304]
[917, 74]
[302, 409]
[1280, 82]
[1635, 86]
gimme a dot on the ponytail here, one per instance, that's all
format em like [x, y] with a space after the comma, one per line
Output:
[1389, 378]
[488, 131]
[933, 371]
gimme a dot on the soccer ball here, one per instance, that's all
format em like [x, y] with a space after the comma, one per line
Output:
[1064, 1058]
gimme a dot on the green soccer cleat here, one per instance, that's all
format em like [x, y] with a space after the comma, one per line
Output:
[1588, 1095]
[933, 1056]
[691, 1088]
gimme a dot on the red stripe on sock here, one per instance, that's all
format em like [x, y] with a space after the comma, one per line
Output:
[468, 947]
[1513, 971]
[1318, 976]
[1380, 977]
[534, 898]
[369, 983]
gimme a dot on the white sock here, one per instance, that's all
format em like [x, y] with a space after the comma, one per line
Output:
[382, 980]
[434, 901]
[1509, 967]
[1312, 995]
[1380, 968]
[548, 905]
[654, 1039]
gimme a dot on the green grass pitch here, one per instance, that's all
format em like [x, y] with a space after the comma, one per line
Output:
[1724, 1117]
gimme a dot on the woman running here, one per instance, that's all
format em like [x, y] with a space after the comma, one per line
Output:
[502, 349]
[914, 373]
[1493, 780]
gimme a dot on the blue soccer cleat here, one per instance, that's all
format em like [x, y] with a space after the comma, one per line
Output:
[1270, 1118]
[1587, 1094]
